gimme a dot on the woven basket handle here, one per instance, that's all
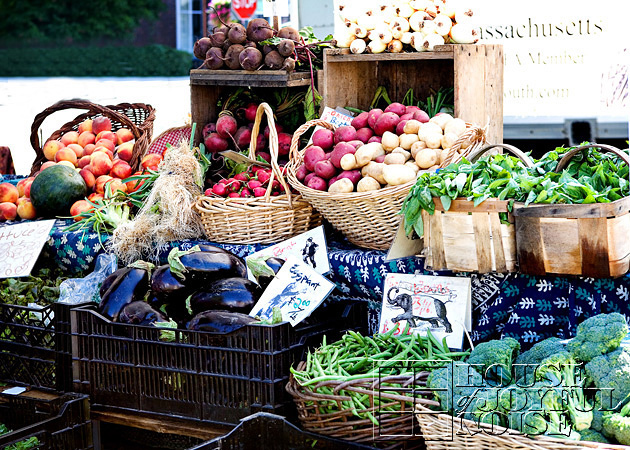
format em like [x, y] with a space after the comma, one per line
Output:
[295, 141]
[77, 104]
[475, 155]
[564, 161]
[264, 108]
[473, 136]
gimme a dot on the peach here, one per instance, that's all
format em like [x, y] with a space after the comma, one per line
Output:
[77, 149]
[68, 163]
[47, 164]
[66, 154]
[124, 135]
[101, 163]
[101, 123]
[95, 197]
[8, 211]
[9, 193]
[88, 177]
[151, 161]
[88, 149]
[86, 125]
[101, 181]
[50, 149]
[107, 135]
[109, 145]
[70, 137]
[22, 200]
[85, 138]
[107, 151]
[78, 207]
[84, 161]
[117, 185]
[25, 209]
[125, 151]
[121, 169]
[134, 185]
[22, 184]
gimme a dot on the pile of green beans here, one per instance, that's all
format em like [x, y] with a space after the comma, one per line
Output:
[389, 360]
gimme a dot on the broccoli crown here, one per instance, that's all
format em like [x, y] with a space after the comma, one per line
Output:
[611, 375]
[455, 386]
[617, 426]
[593, 436]
[598, 335]
[498, 354]
[485, 407]
[526, 362]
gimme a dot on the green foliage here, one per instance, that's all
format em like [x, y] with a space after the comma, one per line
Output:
[33, 19]
[149, 61]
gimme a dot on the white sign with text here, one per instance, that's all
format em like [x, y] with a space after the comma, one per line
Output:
[20, 246]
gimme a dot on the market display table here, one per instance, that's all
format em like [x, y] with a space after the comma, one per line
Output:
[524, 307]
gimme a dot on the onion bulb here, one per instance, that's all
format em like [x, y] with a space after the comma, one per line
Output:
[400, 22]
[463, 15]
[381, 34]
[463, 33]
[428, 27]
[415, 21]
[448, 8]
[395, 46]
[431, 40]
[376, 46]
[367, 21]
[344, 38]
[397, 32]
[406, 37]
[358, 31]
[358, 46]
[348, 12]
[388, 14]
[443, 24]
[419, 5]
[417, 41]
[404, 10]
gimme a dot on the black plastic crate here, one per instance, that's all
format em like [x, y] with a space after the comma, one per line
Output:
[272, 432]
[59, 422]
[35, 346]
[210, 377]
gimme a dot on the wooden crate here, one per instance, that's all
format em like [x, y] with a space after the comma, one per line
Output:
[206, 86]
[469, 239]
[474, 71]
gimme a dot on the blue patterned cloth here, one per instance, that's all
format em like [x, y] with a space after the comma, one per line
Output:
[526, 308]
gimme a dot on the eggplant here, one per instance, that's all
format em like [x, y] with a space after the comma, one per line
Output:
[126, 285]
[166, 287]
[205, 266]
[219, 321]
[235, 294]
[140, 313]
[274, 264]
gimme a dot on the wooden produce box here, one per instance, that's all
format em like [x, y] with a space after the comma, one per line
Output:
[474, 71]
[206, 87]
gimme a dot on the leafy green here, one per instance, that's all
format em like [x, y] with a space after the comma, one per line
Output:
[26, 444]
[41, 287]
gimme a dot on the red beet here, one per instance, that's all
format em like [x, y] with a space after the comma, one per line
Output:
[210, 127]
[243, 137]
[284, 143]
[215, 143]
[264, 155]
[226, 125]
[250, 112]
[279, 129]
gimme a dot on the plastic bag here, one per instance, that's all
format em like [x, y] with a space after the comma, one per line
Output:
[81, 290]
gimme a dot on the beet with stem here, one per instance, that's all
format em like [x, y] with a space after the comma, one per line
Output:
[201, 47]
[274, 60]
[288, 64]
[286, 47]
[232, 56]
[289, 33]
[259, 30]
[250, 58]
[217, 39]
[237, 33]
[214, 59]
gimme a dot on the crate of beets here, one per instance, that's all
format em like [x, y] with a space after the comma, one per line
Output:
[177, 340]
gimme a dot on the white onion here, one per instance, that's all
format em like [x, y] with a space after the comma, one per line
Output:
[428, 27]
[463, 15]
[400, 22]
[367, 21]
[417, 41]
[395, 46]
[376, 46]
[443, 24]
[406, 38]
[358, 46]
[415, 21]
[431, 40]
[358, 31]
[463, 33]
[404, 10]
[344, 38]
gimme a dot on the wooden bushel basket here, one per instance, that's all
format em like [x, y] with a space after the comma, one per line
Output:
[590, 240]
[469, 238]
[258, 220]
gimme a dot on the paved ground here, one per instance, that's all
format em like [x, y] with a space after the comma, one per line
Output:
[21, 99]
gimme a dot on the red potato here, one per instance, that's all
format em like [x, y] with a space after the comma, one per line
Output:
[421, 116]
[325, 170]
[352, 175]
[364, 134]
[373, 116]
[308, 177]
[356, 143]
[360, 121]
[328, 155]
[332, 180]
[317, 183]
[397, 108]
[406, 116]
[323, 138]
[312, 156]
[386, 122]
[301, 172]
[340, 149]
[411, 109]
[374, 139]
[345, 133]
[400, 128]
[380, 159]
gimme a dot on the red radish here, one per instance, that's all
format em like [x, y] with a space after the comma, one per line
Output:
[375, 139]
[421, 116]
[364, 134]
[345, 133]
[373, 115]
[279, 129]
[411, 109]
[386, 122]
[308, 177]
[219, 189]
[352, 175]
[264, 155]
[234, 195]
[243, 137]
[215, 143]
[208, 192]
[209, 128]
[264, 175]
[275, 193]
[275, 185]
[360, 121]
[246, 193]
[253, 184]
[226, 125]
[259, 192]
[235, 186]
[255, 169]
[323, 138]
[241, 176]
[301, 172]
[312, 156]
[325, 170]
[406, 116]
[338, 152]
[284, 143]
[397, 108]
[317, 183]
[380, 159]
[401, 126]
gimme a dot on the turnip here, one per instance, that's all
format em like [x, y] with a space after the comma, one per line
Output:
[289, 33]
[345, 133]
[386, 122]
[215, 143]
[323, 138]
[373, 116]
[397, 108]
[274, 60]
[421, 116]
[301, 172]
[325, 170]
[360, 121]
[250, 58]
[226, 124]
[237, 33]
[259, 30]
[286, 47]
[364, 134]
[201, 47]
[401, 126]
[374, 139]
[214, 59]
[313, 155]
[243, 136]
[352, 175]
[232, 56]
[284, 143]
[317, 183]
[339, 151]
[250, 112]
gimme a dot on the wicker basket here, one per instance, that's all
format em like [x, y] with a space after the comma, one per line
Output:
[258, 220]
[137, 117]
[367, 219]
[445, 432]
[172, 136]
[393, 427]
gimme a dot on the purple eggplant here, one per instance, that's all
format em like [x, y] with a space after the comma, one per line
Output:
[235, 294]
[126, 285]
[140, 313]
[197, 266]
[219, 321]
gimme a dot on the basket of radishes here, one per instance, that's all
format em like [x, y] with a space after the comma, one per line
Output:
[271, 213]
[358, 176]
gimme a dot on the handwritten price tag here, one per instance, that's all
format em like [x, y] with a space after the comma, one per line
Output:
[20, 246]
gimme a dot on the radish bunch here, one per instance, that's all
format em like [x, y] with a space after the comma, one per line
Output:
[404, 25]
[251, 183]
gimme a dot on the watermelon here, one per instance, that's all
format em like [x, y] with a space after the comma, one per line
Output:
[55, 189]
